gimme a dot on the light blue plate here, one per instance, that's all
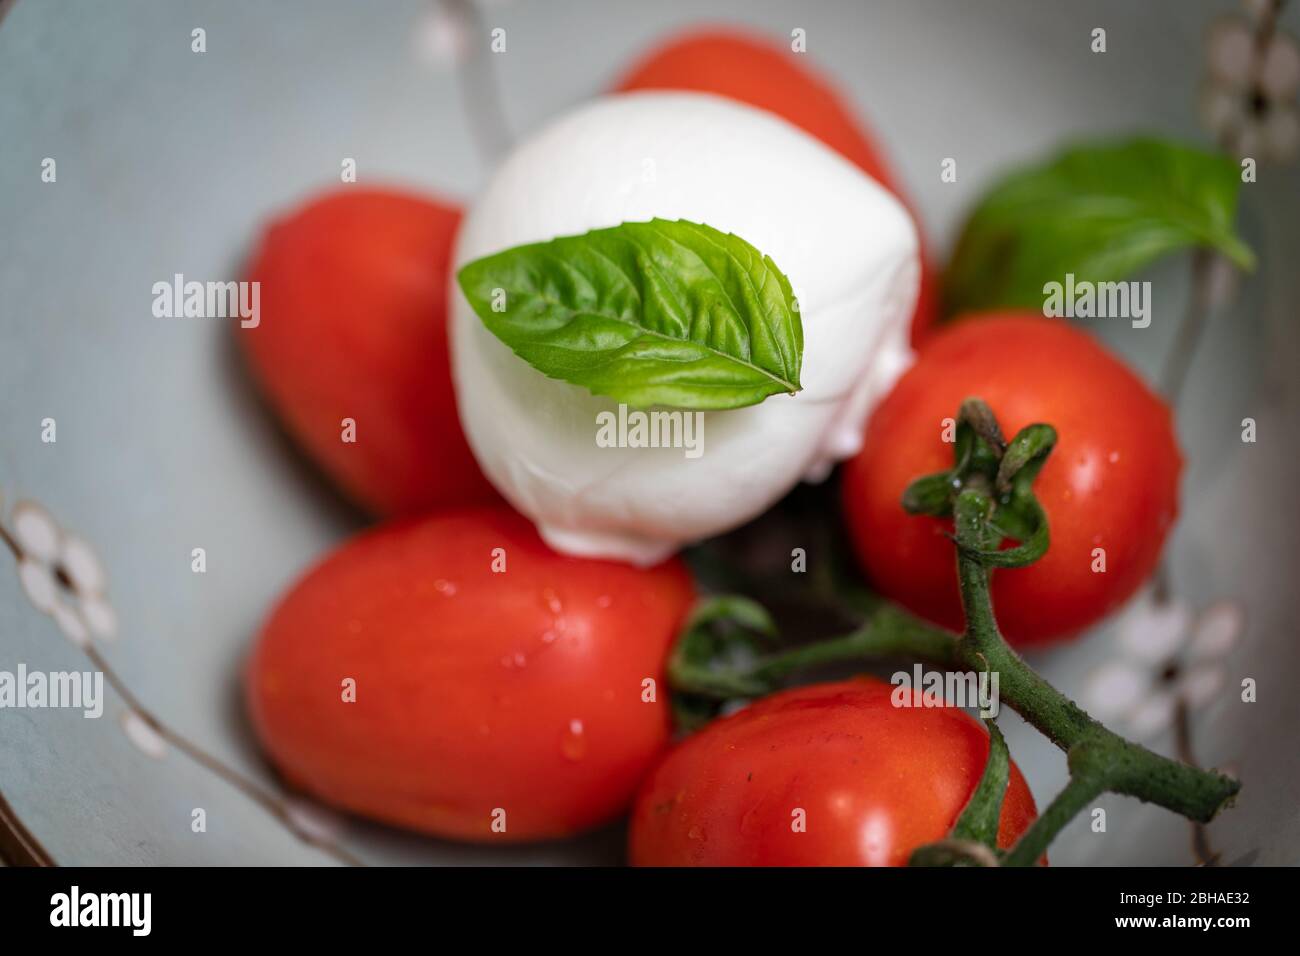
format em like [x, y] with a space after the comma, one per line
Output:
[169, 160]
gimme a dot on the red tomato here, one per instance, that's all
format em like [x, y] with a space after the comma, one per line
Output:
[873, 781]
[475, 690]
[354, 325]
[752, 70]
[1110, 483]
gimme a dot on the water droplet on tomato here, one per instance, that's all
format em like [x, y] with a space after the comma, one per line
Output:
[552, 601]
[573, 742]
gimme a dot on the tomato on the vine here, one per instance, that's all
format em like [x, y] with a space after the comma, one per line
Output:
[456, 676]
[1109, 489]
[825, 775]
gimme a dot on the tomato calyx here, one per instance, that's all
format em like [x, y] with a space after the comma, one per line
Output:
[1003, 474]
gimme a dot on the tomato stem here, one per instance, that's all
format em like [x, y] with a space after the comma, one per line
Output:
[988, 495]
[1099, 759]
[983, 814]
[889, 632]
[1065, 806]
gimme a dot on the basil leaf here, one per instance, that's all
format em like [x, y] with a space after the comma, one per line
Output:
[648, 313]
[1099, 211]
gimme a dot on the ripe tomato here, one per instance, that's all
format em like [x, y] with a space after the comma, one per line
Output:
[1111, 482]
[354, 325]
[476, 691]
[873, 782]
[752, 70]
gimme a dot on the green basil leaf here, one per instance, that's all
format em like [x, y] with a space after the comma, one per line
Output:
[648, 313]
[1099, 211]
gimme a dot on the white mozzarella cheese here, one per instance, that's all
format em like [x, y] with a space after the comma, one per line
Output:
[850, 252]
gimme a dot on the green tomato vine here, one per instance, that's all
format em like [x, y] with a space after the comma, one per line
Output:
[725, 653]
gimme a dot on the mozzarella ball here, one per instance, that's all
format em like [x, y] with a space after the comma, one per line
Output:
[847, 246]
